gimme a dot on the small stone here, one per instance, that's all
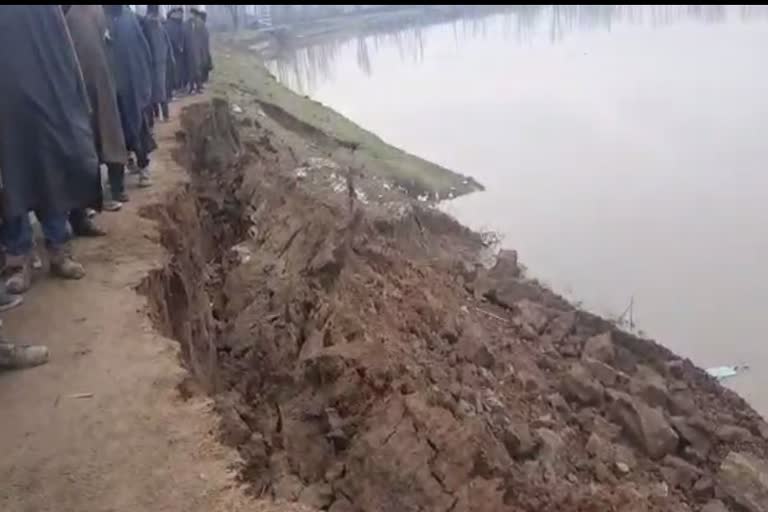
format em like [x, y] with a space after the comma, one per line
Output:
[341, 505]
[572, 478]
[624, 455]
[679, 473]
[561, 326]
[693, 434]
[606, 374]
[506, 265]
[622, 468]
[762, 429]
[599, 448]
[545, 420]
[288, 488]
[318, 496]
[733, 434]
[579, 385]
[649, 386]
[704, 488]
[645, 424]
[600, 347]
[603, 474]
[714, 506]
[532, 315]
[557, 402]
[682, 403]
[744, 479]
[569, 348]
[676, 369]
[519, 441]
[551, 444]
[335, 471]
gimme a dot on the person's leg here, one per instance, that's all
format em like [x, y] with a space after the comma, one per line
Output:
[16, 357]
[59, 249]
[116, 177]
[17, 239]
[155, 110]
[164, 109]
[142, 159]
[8, 300]
[83, 225]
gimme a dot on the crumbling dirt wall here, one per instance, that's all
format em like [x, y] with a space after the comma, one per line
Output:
[362, 362]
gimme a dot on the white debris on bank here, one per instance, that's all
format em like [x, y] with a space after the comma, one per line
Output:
[725, 372]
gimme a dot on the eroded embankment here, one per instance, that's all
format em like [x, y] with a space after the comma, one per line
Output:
[361, 361]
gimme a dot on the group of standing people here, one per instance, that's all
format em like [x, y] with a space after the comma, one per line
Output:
[81, 87]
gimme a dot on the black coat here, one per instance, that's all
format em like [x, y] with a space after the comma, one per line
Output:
[175, 29]
[47, 152]
[161, 53]
[132, 65]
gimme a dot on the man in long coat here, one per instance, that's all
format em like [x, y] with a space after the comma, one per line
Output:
[174, 25]
[193, 49]
[162, 58]
[48, 158]
[206, 47]
[88, 28]
[133, 79]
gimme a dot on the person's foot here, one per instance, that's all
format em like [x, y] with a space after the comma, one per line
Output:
[144, 179]
[87, 228]
[122, 197]
[19, 272]
[112, 205]
[63, 265]
[37, 262]
[16, 357]
[131, 166]
[9, 301]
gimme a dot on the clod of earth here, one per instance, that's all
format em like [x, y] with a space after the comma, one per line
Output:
[358, 365]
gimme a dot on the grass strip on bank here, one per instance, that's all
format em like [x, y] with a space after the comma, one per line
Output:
[240, 69]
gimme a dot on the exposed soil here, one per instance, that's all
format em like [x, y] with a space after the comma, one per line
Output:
[361, 359]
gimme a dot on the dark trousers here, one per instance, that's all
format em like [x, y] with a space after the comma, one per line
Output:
[18, 237]
[77, 218]
[142, 160]
[116, 177]
[160, 108]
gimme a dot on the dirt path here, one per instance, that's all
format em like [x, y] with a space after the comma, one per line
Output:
[135, 444]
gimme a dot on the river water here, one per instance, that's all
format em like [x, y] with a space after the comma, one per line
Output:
[623, 149]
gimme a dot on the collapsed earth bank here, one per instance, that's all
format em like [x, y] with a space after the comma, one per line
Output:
[362, 360]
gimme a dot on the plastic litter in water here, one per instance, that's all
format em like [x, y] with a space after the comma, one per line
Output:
[724, 372]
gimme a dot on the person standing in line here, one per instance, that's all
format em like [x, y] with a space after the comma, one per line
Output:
[88, 28]
[193, 49]
[132, 68]
[207, 61]
[175, 29]
[48, 160]
[162, 59]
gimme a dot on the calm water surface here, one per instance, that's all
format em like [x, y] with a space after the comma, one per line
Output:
[624, 151]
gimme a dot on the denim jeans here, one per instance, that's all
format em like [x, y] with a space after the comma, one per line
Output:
[17, 233]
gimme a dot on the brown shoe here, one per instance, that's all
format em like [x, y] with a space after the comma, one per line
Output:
[14, 357]
[19, 272]
[63, 265]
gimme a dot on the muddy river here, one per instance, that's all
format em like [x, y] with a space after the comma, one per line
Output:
[623, 149]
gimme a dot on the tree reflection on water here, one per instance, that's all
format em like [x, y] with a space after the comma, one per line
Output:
[301, 65]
